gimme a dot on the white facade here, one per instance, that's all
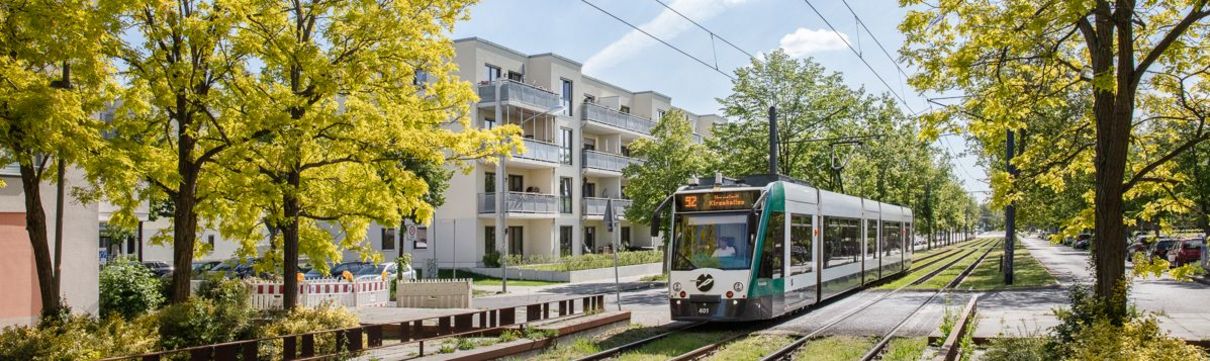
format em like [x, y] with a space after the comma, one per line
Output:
[571, 166]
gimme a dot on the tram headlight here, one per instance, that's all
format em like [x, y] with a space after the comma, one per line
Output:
[676, 286]
[738, 286]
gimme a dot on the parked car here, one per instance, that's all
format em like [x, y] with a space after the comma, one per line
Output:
[1161, 247]
[1186, 251]
[391, 268]
[337, 270]
[204, 266]
[1136, 247]
[159, 268]
[1082, 241]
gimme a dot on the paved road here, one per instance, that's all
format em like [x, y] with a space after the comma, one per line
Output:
[1182, 305]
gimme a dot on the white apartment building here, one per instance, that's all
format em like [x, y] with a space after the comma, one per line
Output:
[558, 188]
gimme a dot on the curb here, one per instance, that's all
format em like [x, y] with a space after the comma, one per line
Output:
[1202, 280]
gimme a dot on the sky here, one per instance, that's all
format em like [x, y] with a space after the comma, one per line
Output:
[616, 53]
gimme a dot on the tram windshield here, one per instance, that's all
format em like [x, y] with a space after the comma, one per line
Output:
[712, 241]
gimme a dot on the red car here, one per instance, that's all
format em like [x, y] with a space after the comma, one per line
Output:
[1186, 251]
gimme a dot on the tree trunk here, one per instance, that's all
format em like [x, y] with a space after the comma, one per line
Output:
[61, 170]
[184, 215]
[35, 225]
[291, 209]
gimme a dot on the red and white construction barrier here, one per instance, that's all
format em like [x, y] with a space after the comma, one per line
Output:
[311, 293]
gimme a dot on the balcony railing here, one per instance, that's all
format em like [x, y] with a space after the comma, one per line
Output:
[697, 138]
[514, 91]
[518, 202]
[12, 169]
[541, 151]
[603, 115]
[596, 206]
[606, 161]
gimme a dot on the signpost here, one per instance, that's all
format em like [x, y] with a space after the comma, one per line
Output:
[610, 218]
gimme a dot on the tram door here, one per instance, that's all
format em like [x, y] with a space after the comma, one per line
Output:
[802, 282]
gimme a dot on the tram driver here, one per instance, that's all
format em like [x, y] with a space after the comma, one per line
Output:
[725, 248]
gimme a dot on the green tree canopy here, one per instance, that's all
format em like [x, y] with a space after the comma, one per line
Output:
[671, 158]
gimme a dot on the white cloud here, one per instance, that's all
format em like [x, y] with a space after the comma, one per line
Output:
[666, 25]
[803, 42]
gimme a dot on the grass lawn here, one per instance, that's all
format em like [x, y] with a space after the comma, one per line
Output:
[481, 280]
[584, 346]
[1027, 272]
[674, 345]
[905, 349]
[751, 348]
[948, 275]
[917, 272]
[655, 278]
[835, 348]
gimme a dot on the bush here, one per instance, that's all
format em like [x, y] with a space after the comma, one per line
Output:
[128, 289]
[491, 259]
[78, 338]
[1085, 332]
[202, 321]
[224, 291]
[1017, 349]
[305, 320]
[600, 260]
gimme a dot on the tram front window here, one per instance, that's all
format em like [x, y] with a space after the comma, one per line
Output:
[713, 241]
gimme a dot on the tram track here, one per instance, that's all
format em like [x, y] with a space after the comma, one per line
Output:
[749, 330]
[787, 352]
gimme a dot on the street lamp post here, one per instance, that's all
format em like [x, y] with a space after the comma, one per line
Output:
[501, 213]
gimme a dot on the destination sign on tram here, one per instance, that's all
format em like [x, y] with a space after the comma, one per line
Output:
[716, 201]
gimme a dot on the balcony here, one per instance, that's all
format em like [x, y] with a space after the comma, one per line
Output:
[539, 151]
[518, 93]
[602, 115]
[697, 138]
[521, 203]
[598, 161]
[595, 207]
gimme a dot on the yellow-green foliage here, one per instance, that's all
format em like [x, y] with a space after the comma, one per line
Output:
[1145, 266]
[1139, 339]
[78, 338]
[305, 320]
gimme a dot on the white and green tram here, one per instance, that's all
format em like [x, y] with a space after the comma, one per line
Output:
[764, 247]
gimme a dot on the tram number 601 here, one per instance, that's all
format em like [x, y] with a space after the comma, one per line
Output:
[703, 310]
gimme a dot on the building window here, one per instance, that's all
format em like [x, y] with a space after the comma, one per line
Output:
[420, 78]
[210, 240]
[515, 76]
[567, 95]
[388, 238]
[565, 194]
[566, 138]
[516, 240]
[588, 98]
[493, 72]
[489, 182]
[516, 183]
[625, 238]
[565, 240]
[590, 239]
[624, 109]
[659, 114]
[489, 123]
[489, 239]
[422, 238]
[590, 189]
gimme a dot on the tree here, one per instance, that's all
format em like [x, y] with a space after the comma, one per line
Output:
[1012, 59]
[345, 112]
[174, 119]
[54, 75]
[670, 158]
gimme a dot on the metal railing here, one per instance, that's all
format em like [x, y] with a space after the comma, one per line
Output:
[596, 206]
[601, 114]
[605, 161]
[354, 340]
[520, 202]
[541, 151]
[514, 91]
[11, 169]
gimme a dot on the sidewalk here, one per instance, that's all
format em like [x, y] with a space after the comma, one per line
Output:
[627, 283]
[1179, 305]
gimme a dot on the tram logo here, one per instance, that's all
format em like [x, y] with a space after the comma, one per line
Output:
[705, 282]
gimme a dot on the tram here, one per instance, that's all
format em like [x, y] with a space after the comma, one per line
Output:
[765, 246]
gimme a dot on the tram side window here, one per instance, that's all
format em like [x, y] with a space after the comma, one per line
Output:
[871, 238]
[772, 252]
[800, 244]
[891, 240]
[841, 242]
